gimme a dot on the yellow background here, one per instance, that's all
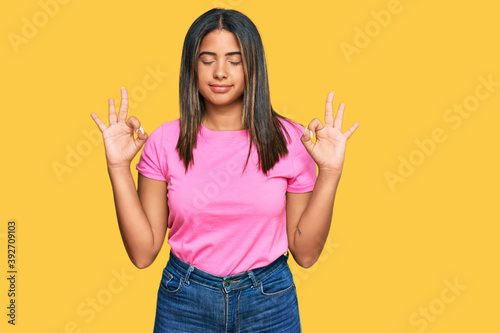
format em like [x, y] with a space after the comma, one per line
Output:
[391, 249]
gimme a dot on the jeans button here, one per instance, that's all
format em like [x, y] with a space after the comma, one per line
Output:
[227, 283]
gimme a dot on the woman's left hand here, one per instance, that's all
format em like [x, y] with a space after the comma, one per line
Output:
[329, 150]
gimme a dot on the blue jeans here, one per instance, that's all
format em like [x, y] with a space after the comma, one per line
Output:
[259, 300]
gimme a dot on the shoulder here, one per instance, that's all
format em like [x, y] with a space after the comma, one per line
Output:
[161, 137]
[166, 129]
[170, 126]
[294, 129]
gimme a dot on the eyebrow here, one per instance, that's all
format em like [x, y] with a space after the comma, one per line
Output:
[213, 53]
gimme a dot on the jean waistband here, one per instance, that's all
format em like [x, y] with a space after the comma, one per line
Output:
[228, 282]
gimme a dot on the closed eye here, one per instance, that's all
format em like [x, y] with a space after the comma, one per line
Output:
[235, 63]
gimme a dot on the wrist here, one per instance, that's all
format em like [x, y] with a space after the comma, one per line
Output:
[330, 172]
[118, 168]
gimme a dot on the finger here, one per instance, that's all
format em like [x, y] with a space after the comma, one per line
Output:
[141, 136]
[140, 129]
[339, 117]
[112, 111]
[98, 121]
[135, 124]
[306, 140]
[351, 130]
[314, 126]
[308, 134]
[329, 109]
[122, 115]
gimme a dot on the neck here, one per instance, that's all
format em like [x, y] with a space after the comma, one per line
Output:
[223, 118]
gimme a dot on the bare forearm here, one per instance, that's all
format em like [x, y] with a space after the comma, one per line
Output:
[314, 224]
[134, 226]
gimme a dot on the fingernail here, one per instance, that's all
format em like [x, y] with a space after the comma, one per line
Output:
[311, 133]
[140, 128]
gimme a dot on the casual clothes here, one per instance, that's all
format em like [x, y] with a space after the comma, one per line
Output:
[222, 221]
[260, 300]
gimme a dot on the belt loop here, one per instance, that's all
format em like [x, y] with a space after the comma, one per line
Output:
[186, 278]
[252, 277]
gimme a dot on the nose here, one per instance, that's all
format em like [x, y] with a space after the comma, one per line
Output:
[220, 71]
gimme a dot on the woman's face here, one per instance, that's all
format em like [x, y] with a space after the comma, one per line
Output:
[221, 80]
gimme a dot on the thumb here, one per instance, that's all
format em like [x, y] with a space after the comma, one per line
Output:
[135, 124]
[306, 139]
[141, 136]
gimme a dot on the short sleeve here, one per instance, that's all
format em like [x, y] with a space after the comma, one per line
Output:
[304, 169]
[152, 163]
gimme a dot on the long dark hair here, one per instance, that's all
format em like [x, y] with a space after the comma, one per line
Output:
[258, 116]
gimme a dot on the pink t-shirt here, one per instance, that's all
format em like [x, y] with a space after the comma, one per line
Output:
[220, 221]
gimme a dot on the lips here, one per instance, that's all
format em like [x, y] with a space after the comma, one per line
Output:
[220, 88]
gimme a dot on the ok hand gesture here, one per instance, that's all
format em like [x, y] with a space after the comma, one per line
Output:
[329, 150]
[119, 142]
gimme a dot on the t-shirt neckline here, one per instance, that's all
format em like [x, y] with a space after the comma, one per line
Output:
[223, 135]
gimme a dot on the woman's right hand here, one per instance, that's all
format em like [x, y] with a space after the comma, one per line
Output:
[119, 142]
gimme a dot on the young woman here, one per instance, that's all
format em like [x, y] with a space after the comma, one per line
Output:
[236, 194]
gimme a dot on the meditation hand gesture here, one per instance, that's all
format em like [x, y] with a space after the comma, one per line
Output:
[329, 150]
[119, 142]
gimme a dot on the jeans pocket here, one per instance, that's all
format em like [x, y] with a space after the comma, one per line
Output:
[171, 281]
[277, 283]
